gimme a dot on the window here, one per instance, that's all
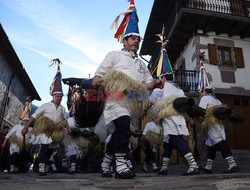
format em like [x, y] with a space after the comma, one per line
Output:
[221, 55]
[225, 56]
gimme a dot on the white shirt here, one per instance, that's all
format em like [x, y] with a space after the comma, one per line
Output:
[71, 122]
[56, 115]
[156, 95]
[170, 89]
[124, 62]
[49, 110]
[17, 130]
[216, 133]
[107, 140]
[174, 125]
[208, 101]
[151, 126]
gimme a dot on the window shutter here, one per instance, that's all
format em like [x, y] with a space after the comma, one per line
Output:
[212, 54]
[239, 58]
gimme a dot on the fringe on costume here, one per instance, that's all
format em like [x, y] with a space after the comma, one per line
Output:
[18, 141]
[210, 120]
[119, 83]
[154, 139]
[164, 109]
[190, 138]
[47, 126]
[134, 142]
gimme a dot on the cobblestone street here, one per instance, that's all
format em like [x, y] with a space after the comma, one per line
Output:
[147, 181]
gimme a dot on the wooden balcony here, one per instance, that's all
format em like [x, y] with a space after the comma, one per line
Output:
[183, 18]
[187, 80]
[232, 7]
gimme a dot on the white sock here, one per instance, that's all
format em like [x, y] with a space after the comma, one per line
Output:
[165, 163]
[231, 162]
[121, 163]
[191, 161]
[106, 162]
[209, 164]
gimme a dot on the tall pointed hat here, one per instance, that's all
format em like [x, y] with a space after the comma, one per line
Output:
[164, 66]
[203, 80]
[26, 110]
[56, 85]
[129, 24]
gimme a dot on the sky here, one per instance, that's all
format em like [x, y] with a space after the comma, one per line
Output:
[75, 31]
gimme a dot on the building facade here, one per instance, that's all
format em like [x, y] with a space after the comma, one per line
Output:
[221, 29]
[15, 84]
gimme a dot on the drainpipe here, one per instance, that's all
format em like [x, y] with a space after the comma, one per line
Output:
[5, 100]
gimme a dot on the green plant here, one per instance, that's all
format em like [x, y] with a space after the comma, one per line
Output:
[227, 62]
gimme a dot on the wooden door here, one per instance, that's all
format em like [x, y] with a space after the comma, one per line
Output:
[238, 133]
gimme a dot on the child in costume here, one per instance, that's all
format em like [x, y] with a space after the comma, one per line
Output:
[214, 129]
[151, 139]
[17, 161]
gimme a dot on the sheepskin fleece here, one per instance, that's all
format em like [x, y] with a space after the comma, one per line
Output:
[134, 142]
[164, 109]
[47, 126]
[210, 121]
[18, 141]
[154, 139]
[116, 81]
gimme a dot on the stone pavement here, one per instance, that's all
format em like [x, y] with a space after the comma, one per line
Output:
[143, 181]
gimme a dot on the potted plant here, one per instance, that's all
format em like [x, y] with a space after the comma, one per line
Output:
[227, 62]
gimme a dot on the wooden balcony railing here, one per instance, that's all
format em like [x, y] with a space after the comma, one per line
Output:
[186, 79]
[234, 7]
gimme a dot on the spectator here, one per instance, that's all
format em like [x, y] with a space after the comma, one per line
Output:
[5, 151]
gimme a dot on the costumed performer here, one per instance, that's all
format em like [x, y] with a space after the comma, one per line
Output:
[123, 73]
[215, 133]
[174, 126]
[15, 161]
[49, 123]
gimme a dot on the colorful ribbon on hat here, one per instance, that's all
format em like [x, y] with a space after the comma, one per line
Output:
[123, 25]
[163, 66]
[57, 79]
[25, 112]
